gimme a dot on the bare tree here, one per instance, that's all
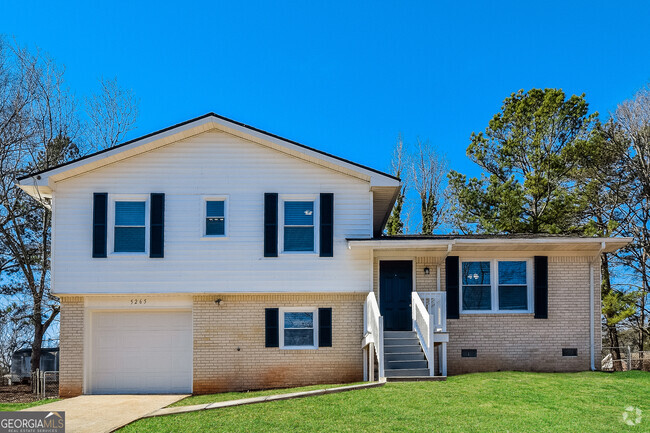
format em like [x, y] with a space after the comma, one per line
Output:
[112, 112]
[630, 126]
[428, 172]
[14, 335]
[399, 164]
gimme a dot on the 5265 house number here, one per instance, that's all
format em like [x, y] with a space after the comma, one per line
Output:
[141, 301]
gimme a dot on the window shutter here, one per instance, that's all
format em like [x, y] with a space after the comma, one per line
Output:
[541, 287]
[272, 327]
[327, 225]
[324, 327]
[157, 226]
[270, 224]
[451, 280]
[100, 217]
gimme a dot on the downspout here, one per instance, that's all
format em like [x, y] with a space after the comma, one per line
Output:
[592, 314]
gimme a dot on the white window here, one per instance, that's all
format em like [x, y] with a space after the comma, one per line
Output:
[496, 286]
[129, 225]
[298, 328]
[214, 220]
[299, 223]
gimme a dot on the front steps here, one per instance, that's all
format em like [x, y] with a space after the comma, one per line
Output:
[404, 359]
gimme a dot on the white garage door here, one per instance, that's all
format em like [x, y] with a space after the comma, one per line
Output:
[141, 352]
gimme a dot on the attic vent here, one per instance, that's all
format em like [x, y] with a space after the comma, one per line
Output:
[570, 352]
[468, 353]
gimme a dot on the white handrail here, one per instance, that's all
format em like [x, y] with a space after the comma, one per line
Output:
[436, 304]
[422, 324]
[374, 328]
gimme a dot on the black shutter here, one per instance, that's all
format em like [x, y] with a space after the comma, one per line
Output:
[327, 225]
[270, 224]
[272, 331]
[541, 287]
[100, 217]
[157, 226]
[324, 327]
[451, 279]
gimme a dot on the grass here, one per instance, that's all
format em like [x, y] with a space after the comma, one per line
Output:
[482, 402]
[20, 406]
[225, 396]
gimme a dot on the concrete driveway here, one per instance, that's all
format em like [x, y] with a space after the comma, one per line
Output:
[105, 413]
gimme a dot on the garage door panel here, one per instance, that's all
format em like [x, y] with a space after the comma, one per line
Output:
[141, 352]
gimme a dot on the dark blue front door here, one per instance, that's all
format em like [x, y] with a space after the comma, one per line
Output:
[395, 287]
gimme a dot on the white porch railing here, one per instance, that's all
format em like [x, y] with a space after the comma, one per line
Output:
[436, 305]
[423, 323]
[373, 340]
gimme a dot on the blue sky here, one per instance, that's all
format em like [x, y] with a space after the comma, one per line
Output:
[344, 77]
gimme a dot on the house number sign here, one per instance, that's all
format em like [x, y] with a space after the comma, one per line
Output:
[140, 301]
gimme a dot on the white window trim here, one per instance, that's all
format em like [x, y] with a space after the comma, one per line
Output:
[313, 310]
[299, 197]
[204, 209]
[111, 222]
[494, 285]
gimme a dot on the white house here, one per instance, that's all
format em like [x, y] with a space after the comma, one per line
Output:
[213, 256]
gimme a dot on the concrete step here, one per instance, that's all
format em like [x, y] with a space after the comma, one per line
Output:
[400, 341]
[415, 356]
[409, 348]
[407, 365]
[399, 334]
[406, 372]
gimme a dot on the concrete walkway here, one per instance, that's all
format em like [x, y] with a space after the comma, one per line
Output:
[105, 413]
[263, 399]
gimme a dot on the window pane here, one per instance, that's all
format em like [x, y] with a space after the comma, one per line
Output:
[214, 227]
[214, 208]
[298, 337]
[129, 239]
[477, 273]
[477, 298]
[299, 239]
[513, 298]
[512, 272]
[129, 213]
[299, 213]
[299, 320]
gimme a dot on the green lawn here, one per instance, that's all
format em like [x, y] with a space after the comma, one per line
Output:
[483, 402]
[20, 406]
[225, 396]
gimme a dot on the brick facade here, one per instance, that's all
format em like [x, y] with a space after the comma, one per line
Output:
[230, 352]
[519, 341]
[71, 346]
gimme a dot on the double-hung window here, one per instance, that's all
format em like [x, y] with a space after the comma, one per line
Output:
[477, 291]
[299, 226]
[496, 286]
[215, 217]
[298, 330]
[130, 227]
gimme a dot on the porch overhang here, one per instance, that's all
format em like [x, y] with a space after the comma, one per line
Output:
[498, 243]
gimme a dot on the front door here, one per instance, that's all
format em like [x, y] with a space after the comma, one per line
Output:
[395, 287]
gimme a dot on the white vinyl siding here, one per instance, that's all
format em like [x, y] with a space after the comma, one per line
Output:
[188, 172]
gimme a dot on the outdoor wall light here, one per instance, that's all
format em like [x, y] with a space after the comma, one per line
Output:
[218, 301]
[427, 271]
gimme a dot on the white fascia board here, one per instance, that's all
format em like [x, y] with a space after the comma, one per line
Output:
[604, 244]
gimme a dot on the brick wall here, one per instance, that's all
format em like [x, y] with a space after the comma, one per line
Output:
[72, 346]
[519, 341]
[230, 352]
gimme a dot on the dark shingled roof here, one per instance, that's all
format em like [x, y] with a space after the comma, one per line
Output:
[470, 236]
